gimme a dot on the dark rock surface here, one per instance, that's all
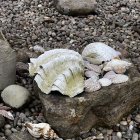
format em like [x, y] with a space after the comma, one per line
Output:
[21, 136]
[2, 121]
[72, 116]
[76, 7]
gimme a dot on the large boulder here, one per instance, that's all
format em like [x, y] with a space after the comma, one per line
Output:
[72, 116]
[7, 63]
[76, 7]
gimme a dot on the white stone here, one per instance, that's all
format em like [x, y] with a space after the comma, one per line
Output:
[123, 122]
[15, 96]
[119, 135]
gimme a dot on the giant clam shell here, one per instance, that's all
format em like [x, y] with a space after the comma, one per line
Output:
[59, 70]
[119, 66]
[98, 52]
[41, 130]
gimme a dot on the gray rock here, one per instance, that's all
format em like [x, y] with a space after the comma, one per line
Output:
[2, 121]
[21, 136]
[8, 132]
[7, 63]
[15, 96]
[1, 138]
[135, 136]
[72, 116]
[76, 7]
[137, 118]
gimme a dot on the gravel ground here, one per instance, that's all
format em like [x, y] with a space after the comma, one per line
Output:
[27, 23]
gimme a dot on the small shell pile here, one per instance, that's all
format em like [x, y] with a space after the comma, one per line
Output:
[41, 130]
[103, 66]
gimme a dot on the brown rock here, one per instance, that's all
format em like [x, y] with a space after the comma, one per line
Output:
[76, 7]
[72, 116]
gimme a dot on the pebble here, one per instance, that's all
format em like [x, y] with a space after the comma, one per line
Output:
[123, 122]
[100, 137]
[135, 136]
[137, 118]
[7, 126]
[8, 132]
[119, 135]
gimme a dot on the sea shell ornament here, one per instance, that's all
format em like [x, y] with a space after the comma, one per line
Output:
[98, 52]
[116, 78]
[89, 73]
[41, 130]
[59, 70]
[93, 67]
[92, 85]
[105, 82]
[119, 66]
[120, 78]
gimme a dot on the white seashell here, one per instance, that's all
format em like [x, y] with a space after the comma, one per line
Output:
[92, 85]
[110, 75]
[41, 130]
[105, 82]
[119, 66]
[90, 74]
[93, 67]
[59, 70]
[98, 52]
[120, 78]
[47, 56]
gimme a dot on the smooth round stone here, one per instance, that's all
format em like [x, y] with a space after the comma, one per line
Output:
[7, 126]
[123, 122]
[119, 135]
[135, 136]
[137, 118]
[15, 96]
[13, 130]
[8, 132]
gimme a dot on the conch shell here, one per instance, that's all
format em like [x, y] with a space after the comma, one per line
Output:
[98, 52]
[41, 130]
[59, 70]
[119, 66]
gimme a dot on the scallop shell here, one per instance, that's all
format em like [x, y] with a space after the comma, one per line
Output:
[59, 70]
[120, 78]
[92, 85]
[41, 130]
[98, 52]
[93, 67]
[90, 74]
[119, 66]
[105, 82]
[110, 75]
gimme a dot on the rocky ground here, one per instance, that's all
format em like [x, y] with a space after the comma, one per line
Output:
[27, 23]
